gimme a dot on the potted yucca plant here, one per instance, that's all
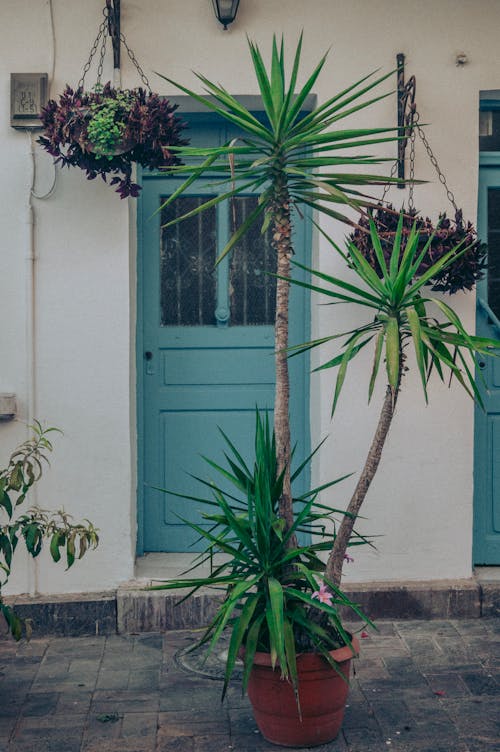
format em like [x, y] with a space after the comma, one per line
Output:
[283, 602]
[107, 130]
[276, 592]
[296, 670]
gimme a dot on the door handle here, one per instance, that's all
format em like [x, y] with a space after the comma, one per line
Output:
[148, 357]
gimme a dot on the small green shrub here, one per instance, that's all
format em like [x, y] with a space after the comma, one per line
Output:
[107, 123]
[34, 527]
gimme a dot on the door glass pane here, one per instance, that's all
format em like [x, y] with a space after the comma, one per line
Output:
[187, 264]
[489, 130]
[252, 292]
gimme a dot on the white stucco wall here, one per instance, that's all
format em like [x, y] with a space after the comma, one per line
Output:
[421, 502]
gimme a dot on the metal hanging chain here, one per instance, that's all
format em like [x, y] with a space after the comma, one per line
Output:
[102, 33]
[435, 164]
[101, 38]
[394, 169]
[411, 203]
[133, 58]
[102, 55]
[417, 128]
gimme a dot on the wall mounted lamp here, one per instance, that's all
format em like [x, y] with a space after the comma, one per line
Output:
[225, 11]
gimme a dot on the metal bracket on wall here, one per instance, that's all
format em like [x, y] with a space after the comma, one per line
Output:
[406, 111]
[113, 8]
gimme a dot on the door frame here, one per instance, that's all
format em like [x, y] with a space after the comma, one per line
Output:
[197, 116]
[487, 161]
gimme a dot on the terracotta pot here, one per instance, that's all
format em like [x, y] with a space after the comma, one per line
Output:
[322, 693]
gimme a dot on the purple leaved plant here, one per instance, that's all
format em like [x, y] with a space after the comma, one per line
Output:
[461, 275]
[148, 124]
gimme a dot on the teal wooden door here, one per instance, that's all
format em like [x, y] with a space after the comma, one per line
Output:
[205, 351]
[487, 424]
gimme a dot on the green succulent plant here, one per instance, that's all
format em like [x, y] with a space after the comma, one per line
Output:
[106, 125]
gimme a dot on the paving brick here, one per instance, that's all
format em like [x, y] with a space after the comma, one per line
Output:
[257, 743]
[476, 718]
[10, 709]
[120, 745]
[41, 703]
[103, 726]
[50, 743]
[241, 721]
[481, 683]
[395, 686]
[42, 735]
[211, 743]
[7, 726]
[203, 696]
[359, 715]
[173, 743]
[53, 670]
[447, 685]
[74, 701]
[431, 744]
[111, 679]
[391, 715]
[144, 679]
[482, 743]
[185, 723]
[124, 701]
[25, 660]
[139, 724]
[371, 668]
[419, 687]
[363, 739]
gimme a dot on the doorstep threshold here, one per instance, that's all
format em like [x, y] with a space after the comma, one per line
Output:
[158, 567]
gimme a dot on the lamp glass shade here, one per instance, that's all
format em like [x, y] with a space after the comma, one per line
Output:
[226, 11]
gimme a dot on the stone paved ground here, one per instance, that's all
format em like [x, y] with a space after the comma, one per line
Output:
[419, 687]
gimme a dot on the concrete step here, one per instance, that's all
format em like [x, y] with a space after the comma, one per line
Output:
[141, 610]
[133, 608]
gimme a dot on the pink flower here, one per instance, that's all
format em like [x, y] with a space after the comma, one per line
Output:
[323, 595]
[348, 558]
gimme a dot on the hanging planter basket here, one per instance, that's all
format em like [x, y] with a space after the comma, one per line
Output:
[446, 234]
[106, 130]
[91, 131]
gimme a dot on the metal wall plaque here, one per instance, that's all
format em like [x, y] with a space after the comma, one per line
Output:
[28, 94]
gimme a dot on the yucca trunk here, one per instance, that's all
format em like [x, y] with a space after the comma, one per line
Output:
[281, 225]
[333, 571]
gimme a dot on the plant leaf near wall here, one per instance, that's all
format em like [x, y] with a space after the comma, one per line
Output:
[68, 541]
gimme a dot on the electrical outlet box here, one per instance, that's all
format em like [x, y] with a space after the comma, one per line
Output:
[28, 94]
[7, 406]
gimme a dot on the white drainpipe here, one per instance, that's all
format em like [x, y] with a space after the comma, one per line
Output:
[31, 385]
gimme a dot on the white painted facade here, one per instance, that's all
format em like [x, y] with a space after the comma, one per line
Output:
[85, 270]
